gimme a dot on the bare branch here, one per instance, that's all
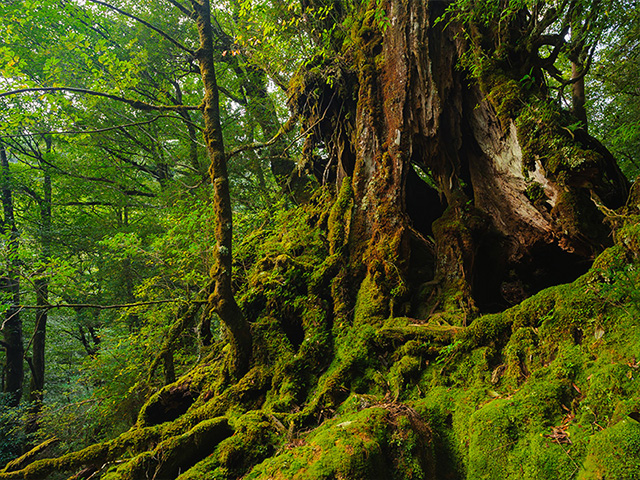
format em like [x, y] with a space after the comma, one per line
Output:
[134, 103]
[254, 146]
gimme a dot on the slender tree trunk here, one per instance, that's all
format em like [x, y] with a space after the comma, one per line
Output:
[91, 348]
[168, 368]
[10, 286]
[37, 364]
[263, 110]
[194, 158]
[127, 277]
[221, 294]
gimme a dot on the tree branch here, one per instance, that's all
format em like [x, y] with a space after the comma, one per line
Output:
[182, 8]
[137, 104]
[86, 204]
[146, 24]
[108, 181]
[102, 307]
[555, 73]
[253, 146]
[99, 130]
[231, 96]
[32, 193]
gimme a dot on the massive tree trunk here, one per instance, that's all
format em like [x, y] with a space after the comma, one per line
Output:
[469, 193]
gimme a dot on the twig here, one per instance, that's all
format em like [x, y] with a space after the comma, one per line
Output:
[146, 24]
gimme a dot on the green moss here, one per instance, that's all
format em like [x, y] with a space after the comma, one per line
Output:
[454, 233]
[509, 437]
[176, 453]
[375, 443]
[406, 369]
[520, 354]
[607, 387]
[256, 437]
[508, 99]
[439, 405]
[372, 305]
[545, 134]
[340, 217]
[535, 192]
[500, 398]
[614, 453]
[629, 236]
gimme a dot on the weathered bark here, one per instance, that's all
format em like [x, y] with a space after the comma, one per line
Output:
[221, 294]
[10, 285]
[91, 348]
[512, 213]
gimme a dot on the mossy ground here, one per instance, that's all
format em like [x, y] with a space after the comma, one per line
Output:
[547, 389]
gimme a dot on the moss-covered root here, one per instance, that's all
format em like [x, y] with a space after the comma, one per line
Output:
[383, 442]
[171, 456]
[21, 462]
[257, 436]
[98, 454]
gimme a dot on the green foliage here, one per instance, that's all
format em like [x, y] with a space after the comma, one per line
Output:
[613, 85]
[11, 431]
[543, 135]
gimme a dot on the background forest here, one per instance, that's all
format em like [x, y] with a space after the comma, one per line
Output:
[119, 312]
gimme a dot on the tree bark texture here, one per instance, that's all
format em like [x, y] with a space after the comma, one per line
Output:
[454, 192]
[578, 96]
[221, 294]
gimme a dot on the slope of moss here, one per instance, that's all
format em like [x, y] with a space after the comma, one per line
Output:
[547, 389]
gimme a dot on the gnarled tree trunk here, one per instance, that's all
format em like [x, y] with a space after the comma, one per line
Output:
[470, 194]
